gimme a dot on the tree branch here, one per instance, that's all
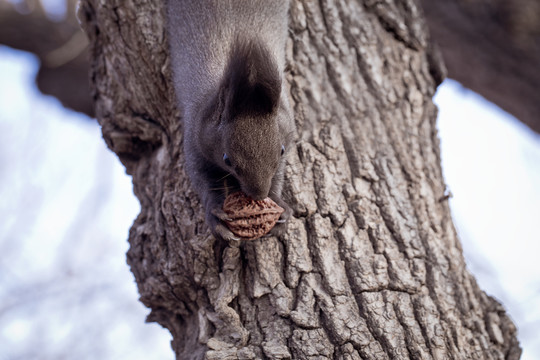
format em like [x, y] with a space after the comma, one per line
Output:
[61, 47]
[492, 48]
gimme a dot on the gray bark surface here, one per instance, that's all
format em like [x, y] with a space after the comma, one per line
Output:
[370, 267]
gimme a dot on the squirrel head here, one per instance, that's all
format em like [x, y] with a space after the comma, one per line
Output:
[248, 135]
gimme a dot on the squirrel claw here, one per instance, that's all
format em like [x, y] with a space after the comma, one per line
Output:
[220, 214]
[224, 233]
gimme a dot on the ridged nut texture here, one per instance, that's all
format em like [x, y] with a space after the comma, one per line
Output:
[251, 219]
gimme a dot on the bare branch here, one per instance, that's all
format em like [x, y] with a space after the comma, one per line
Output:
[61, 47]
[493, 48]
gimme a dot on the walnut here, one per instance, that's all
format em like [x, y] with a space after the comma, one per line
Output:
[251, 219]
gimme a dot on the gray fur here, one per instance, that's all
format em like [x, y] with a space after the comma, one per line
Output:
[228, 58]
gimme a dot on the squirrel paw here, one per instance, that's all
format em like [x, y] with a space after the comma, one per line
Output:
[214, 220]
[222, 232]
[281, 224]
[220, 214]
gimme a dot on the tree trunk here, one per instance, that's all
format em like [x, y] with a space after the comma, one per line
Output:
[371, 267]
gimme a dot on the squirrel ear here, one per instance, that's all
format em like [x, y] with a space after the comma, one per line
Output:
[253, 80]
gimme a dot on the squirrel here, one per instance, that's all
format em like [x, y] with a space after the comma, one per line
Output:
[228, 60]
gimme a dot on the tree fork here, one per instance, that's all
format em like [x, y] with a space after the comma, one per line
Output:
[371, 267]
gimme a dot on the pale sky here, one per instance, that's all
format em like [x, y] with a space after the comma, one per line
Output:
[66, 209]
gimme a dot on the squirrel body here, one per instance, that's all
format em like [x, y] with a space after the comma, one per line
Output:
[228, 60]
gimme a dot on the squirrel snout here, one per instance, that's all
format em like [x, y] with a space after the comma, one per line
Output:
[257, 193]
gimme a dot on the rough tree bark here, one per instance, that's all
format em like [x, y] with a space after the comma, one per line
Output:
[371, 267]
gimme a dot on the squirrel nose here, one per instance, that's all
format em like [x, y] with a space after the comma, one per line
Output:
[257, 193]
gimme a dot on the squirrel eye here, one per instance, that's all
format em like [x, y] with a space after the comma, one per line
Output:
[226, 160]
[282, 149]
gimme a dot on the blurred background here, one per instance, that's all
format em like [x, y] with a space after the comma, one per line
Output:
[66, 203]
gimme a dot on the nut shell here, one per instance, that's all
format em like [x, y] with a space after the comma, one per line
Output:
[251, 219]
